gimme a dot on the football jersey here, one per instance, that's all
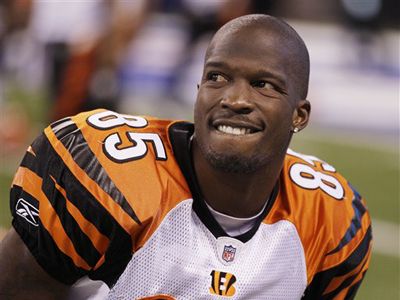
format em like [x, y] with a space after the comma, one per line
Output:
[114, 198]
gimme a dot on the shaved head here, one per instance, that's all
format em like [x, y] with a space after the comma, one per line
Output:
[257, 25]
[252, 95]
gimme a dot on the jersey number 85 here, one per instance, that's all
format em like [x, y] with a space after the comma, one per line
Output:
[112, 144]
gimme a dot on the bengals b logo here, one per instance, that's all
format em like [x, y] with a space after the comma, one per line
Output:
[222, 284]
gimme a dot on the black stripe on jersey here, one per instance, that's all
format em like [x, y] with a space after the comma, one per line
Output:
[47, 163]
[34, 163]
[119, 251]
[73, 140]
[78, 195]
[353, 290]
[82, 244]
[118, 255]
[322, 279]
[355, 225]
[41, 239]
[346, 283]
[180, 134]
[63, 128]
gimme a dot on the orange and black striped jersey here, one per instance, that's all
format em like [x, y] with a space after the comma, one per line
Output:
[114, 197]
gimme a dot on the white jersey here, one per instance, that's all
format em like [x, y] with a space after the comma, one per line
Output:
[183, 260]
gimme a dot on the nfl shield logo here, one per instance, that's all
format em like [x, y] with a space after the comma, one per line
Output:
[229, 253]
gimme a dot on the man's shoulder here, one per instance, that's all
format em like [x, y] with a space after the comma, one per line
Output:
[133, 153]
[120, 137]
[116, 170]
[321, 203]
[330, 215]
[316, 197]
[314, 184]
[101, 121]
[313, 175]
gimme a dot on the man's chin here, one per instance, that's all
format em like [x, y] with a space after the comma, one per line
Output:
[235, 164]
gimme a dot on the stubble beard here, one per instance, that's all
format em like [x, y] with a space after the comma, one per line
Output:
[233, 163]
[238, 163]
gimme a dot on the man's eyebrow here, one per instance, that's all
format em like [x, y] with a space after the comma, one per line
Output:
[216, 64]
[277, 76]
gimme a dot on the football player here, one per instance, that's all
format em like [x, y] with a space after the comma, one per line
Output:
[218, 209]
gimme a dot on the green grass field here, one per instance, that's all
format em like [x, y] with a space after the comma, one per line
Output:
[373, 171]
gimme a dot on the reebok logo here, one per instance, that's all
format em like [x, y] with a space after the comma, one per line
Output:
[27, 211]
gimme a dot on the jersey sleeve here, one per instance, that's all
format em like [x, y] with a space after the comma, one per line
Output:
[67, 211]
[343, 268]
[334, 225]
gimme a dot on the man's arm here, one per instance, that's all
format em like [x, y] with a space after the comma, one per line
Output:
[21, 276]
[343, 280]
[348, 261]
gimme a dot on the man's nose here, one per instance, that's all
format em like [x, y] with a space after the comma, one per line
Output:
[238, 98]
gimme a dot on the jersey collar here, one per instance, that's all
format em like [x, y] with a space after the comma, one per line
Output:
[180, 134]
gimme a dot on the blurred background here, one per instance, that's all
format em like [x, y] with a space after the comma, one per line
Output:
[58, 58]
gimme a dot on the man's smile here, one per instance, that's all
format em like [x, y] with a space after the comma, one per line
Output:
[233, 130]
[235, 127]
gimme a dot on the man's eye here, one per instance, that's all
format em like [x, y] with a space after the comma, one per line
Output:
[263, 85]
[216, 77]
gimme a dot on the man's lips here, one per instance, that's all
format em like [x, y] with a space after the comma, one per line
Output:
[236, 127]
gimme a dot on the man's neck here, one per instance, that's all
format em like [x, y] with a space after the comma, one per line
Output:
[235, 194]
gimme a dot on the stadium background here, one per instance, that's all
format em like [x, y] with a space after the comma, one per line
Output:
[354, 90]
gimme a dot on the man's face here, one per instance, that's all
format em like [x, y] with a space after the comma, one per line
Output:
[247, 102]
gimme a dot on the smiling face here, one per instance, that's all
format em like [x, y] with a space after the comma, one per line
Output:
[249, 100]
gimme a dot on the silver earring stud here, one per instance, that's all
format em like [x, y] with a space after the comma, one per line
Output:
[296, 130]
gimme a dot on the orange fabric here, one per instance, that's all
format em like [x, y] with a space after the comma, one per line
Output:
[321, 220]
[32, 183]
[100, 262]
[99, 241]
[108, 203]
[153, 187]
[337, 281]
[150, 183]
[343, 293]
[333, 260]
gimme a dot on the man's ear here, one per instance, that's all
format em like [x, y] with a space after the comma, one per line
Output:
[301, 115]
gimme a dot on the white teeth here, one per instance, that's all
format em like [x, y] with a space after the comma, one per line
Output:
[233, 130]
